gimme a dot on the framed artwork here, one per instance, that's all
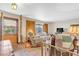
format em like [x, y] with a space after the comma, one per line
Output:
[39, 29]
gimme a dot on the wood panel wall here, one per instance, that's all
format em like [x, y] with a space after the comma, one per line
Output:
[45, 28]
[12, 38]
[30, 26]
[1, 14]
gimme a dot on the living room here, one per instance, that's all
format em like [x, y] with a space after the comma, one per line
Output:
[23, 26]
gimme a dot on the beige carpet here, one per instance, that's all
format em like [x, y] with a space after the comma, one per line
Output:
[20, 50]
[28, 52]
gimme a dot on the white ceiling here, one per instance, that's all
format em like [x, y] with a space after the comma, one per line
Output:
[49, 12]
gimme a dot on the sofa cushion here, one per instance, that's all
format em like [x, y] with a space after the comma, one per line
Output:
[66, 38]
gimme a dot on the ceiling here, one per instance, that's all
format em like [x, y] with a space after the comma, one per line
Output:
[48, 12]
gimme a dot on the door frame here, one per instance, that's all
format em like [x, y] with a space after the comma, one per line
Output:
[11, 18]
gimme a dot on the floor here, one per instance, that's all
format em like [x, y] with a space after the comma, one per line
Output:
[28, 52]
[21, 50]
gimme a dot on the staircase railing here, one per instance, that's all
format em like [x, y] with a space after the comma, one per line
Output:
[55, 49]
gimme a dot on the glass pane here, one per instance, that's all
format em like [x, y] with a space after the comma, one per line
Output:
[9, 26]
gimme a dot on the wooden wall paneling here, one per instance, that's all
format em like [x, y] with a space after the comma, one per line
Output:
[12, 38]
[45, 28]
[30, 26]
[1, 17]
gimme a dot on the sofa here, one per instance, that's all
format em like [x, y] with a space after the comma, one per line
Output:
[66, 40]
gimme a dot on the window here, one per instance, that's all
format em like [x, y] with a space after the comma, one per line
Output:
[9, 26]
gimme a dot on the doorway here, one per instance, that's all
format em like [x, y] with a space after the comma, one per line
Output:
[10, 29]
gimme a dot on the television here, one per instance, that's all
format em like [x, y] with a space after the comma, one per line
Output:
[59, 30]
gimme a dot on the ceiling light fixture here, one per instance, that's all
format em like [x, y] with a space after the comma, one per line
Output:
[14, 6]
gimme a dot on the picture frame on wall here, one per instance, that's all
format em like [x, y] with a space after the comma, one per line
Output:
[39, 28]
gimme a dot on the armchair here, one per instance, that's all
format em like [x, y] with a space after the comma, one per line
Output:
[6, 48]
